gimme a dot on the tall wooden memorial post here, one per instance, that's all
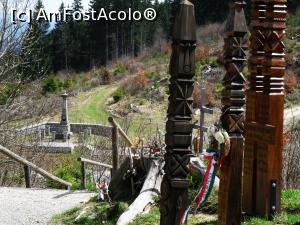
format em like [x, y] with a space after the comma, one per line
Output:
[174, 188]
[265, 105]
[233, 114]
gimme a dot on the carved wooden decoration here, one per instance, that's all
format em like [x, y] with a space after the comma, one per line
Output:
[233, 101]
[263, 159]
[174, 188]
[253, 96]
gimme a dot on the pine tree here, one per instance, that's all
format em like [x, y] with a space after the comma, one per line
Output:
[34, 47]
[77, 5]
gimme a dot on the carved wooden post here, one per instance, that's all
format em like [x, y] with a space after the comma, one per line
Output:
[253, 96]
[233, 101]
[174, 188]
[267, 129]
[270, 155]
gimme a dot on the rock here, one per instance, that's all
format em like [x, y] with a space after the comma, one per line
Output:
[134, 108]
[208, 71]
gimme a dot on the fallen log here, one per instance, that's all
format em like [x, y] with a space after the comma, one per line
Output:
[150, 189]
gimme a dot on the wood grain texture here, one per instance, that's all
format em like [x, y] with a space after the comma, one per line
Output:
[233, 101]
[179, 127]
[266, 135]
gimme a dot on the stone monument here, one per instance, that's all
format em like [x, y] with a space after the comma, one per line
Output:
[63, 129]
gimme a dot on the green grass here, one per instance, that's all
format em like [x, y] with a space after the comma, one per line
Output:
[290, 216]
[280, 219]
[151, 218]
[90, 106]
[95, 214]
[291, 201]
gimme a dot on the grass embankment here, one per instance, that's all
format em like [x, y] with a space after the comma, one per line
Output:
[91, 214]
[90, 107]
[96, 213]
[289, 216]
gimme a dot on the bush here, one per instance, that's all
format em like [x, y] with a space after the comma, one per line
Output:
[218, 87]
[214, 64]
[293, 20]
[201, 53]
[106, 75]
[111, 213]
[290, 82]
[68, 83]
[136, 84]
[7, 92]
[152, 75]
[118, 95]
[119, 69]
[52, 84]
[70, 172]
[293, 98]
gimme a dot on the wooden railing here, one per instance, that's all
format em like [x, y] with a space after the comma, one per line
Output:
[118, 130]
[91, 162]
[28, 165]
[114, 124]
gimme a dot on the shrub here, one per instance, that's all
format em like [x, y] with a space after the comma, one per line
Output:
[152, 75]
[290, 82]
[7, 92]
[110, 213]
[68, 83]
[293, 98]
[134, 85]
[140, 81]
[201, 53]
[293, 20]
[52, 84]
[118, 95]
[106, 75]
[214, 64]
[118, 209]
[119, 69]
[70, 172]
[218, 87]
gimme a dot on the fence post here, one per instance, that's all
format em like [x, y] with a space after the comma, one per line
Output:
[27, 176]
[83, 178]
[115, 150]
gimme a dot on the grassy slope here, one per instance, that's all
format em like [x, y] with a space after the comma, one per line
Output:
[89, 107]
[290, 215]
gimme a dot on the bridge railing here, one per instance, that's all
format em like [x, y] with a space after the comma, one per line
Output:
[28, 165]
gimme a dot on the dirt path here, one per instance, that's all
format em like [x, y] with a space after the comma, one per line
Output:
[20, 206]
[90, 107]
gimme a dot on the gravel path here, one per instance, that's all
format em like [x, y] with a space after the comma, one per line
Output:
[20, 206]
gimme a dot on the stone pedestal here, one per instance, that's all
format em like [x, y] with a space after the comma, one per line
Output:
[63, 131]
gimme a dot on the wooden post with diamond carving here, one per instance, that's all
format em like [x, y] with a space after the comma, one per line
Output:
[253, 99]
[265, 131]
[233, 101]
[174, 188]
